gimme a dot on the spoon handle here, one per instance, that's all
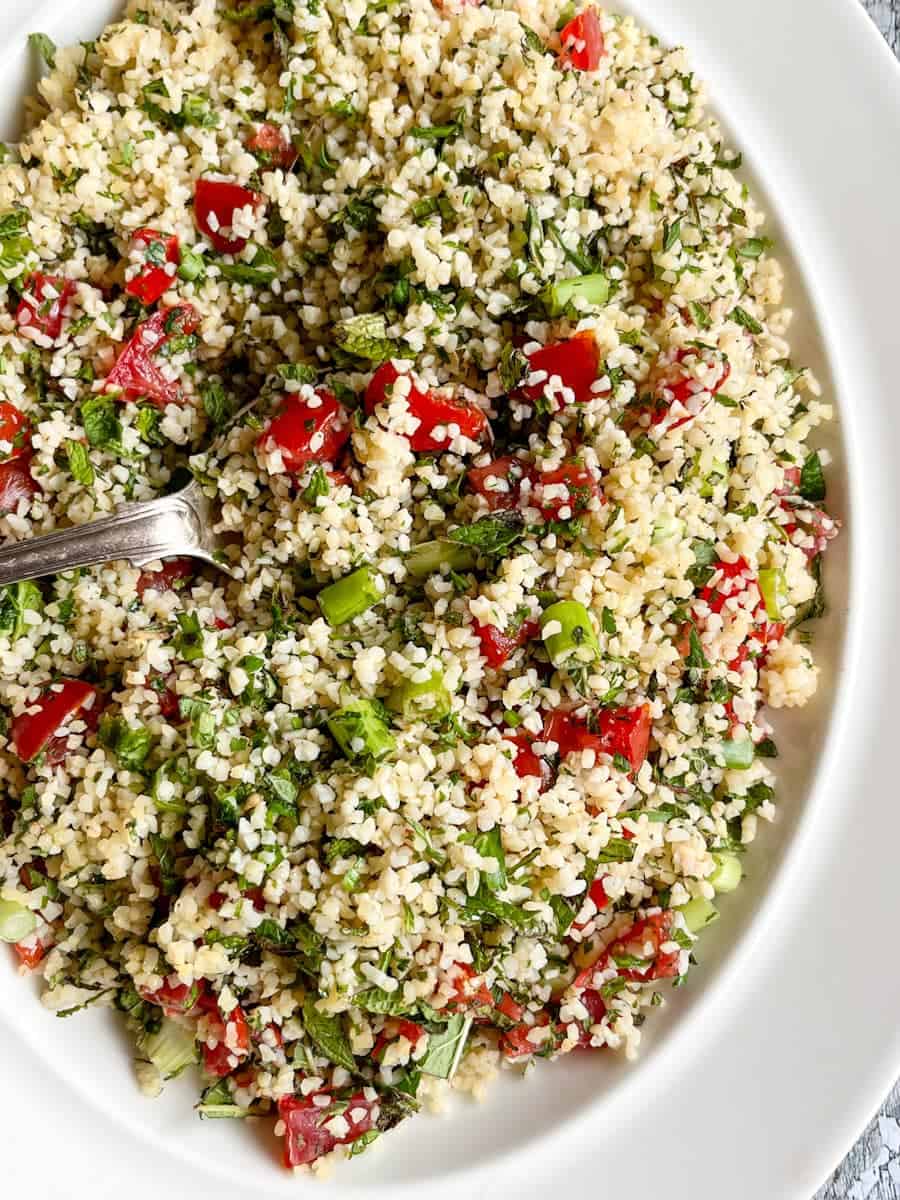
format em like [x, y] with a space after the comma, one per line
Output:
[140, 533]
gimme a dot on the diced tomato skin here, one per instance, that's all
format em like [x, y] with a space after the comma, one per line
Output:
[509, 469]
[431, 409]
[233, 1035]
[526, 763]
[30, 956]
[305, 1135]
[15, 428]
[670, 385]
[582, 41]
[16, 483]
[39, 314]
[29, 733]
[626, 732]
[165, 580]
[582, 485]
[497, 647]
[305, 433]
[272, 147]
[593, 1002]
[509, 1008]
[153, 280]
[135, 373]
[576, 362]
[469, 987]
[654, 931]
[221, 198]
[597, 893]
[570, 734]
[178, 999]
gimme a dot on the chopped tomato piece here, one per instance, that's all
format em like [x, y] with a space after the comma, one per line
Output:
[582, 41]
[16, 483]
[306, 1137]
[575, 363]
[593, 1002]
[394, 1030]
[731, 579]
[166, 696]
[215, 203]
[642, 944]
[517, 1042]
[14, 429]
[152, 250]
[272, 147]
[497, 646]
[43, 305]
[135, 373]
[469, 987]
[167, 578]
[626, 732]
[177, 999]
[500, 482]
[30, 953]
[622, 731]
[509, 1008]
[526, 763]
[597, 893]
[30, 732]
[308, 430]
[683, 382]
[434, 411]
[232, 1034]
[571, 486]
[736, 581]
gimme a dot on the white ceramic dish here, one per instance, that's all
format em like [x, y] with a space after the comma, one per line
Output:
[760, 1073]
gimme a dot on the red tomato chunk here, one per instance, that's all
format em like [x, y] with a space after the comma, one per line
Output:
[434, 411]
[619, 731]
[16, 483]
[526, 763]
[308, 430]
[232, 1043]
[215, 203]
[153, 250]
[172, 572]
[177, 999]
[272, 147]
[582, 41]
[497, 646]
[565, 492]
[500, 481]
[574, 363]
[642, 941]
[312, 1130]
[683, 383]
[43, 305]
[136, 373]
[14, 429]
[30, 732]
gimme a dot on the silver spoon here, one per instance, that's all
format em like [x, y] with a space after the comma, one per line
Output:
[178, 525]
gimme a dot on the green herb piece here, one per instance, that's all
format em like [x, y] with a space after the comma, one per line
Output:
[365, 336]
[192, 268]
[445, 1049]
[377, 1000]
[102, 427]
[564, 913]
[700, 315]
[189, 641]
[130, 746]
[15, 244]
[326, 1032]
[616, 850]
[45, 46]
[742, 317]
[260, 270]
[812, 479]
[15, 600]
[696, 659]
[217, 404]
[80, 466]
[491, 536]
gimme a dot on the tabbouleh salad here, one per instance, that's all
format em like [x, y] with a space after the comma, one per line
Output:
[463, 317]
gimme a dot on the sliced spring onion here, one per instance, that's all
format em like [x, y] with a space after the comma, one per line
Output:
[361, 731]
[351, 596]
[429, 558]
[431, 698]
[699, 913]
[557, 297]
[728, 872]
[568, 633]
[773, 589]
[16, 921]
[738, 753]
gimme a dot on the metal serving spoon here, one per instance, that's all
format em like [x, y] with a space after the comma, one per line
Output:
[177, 525]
